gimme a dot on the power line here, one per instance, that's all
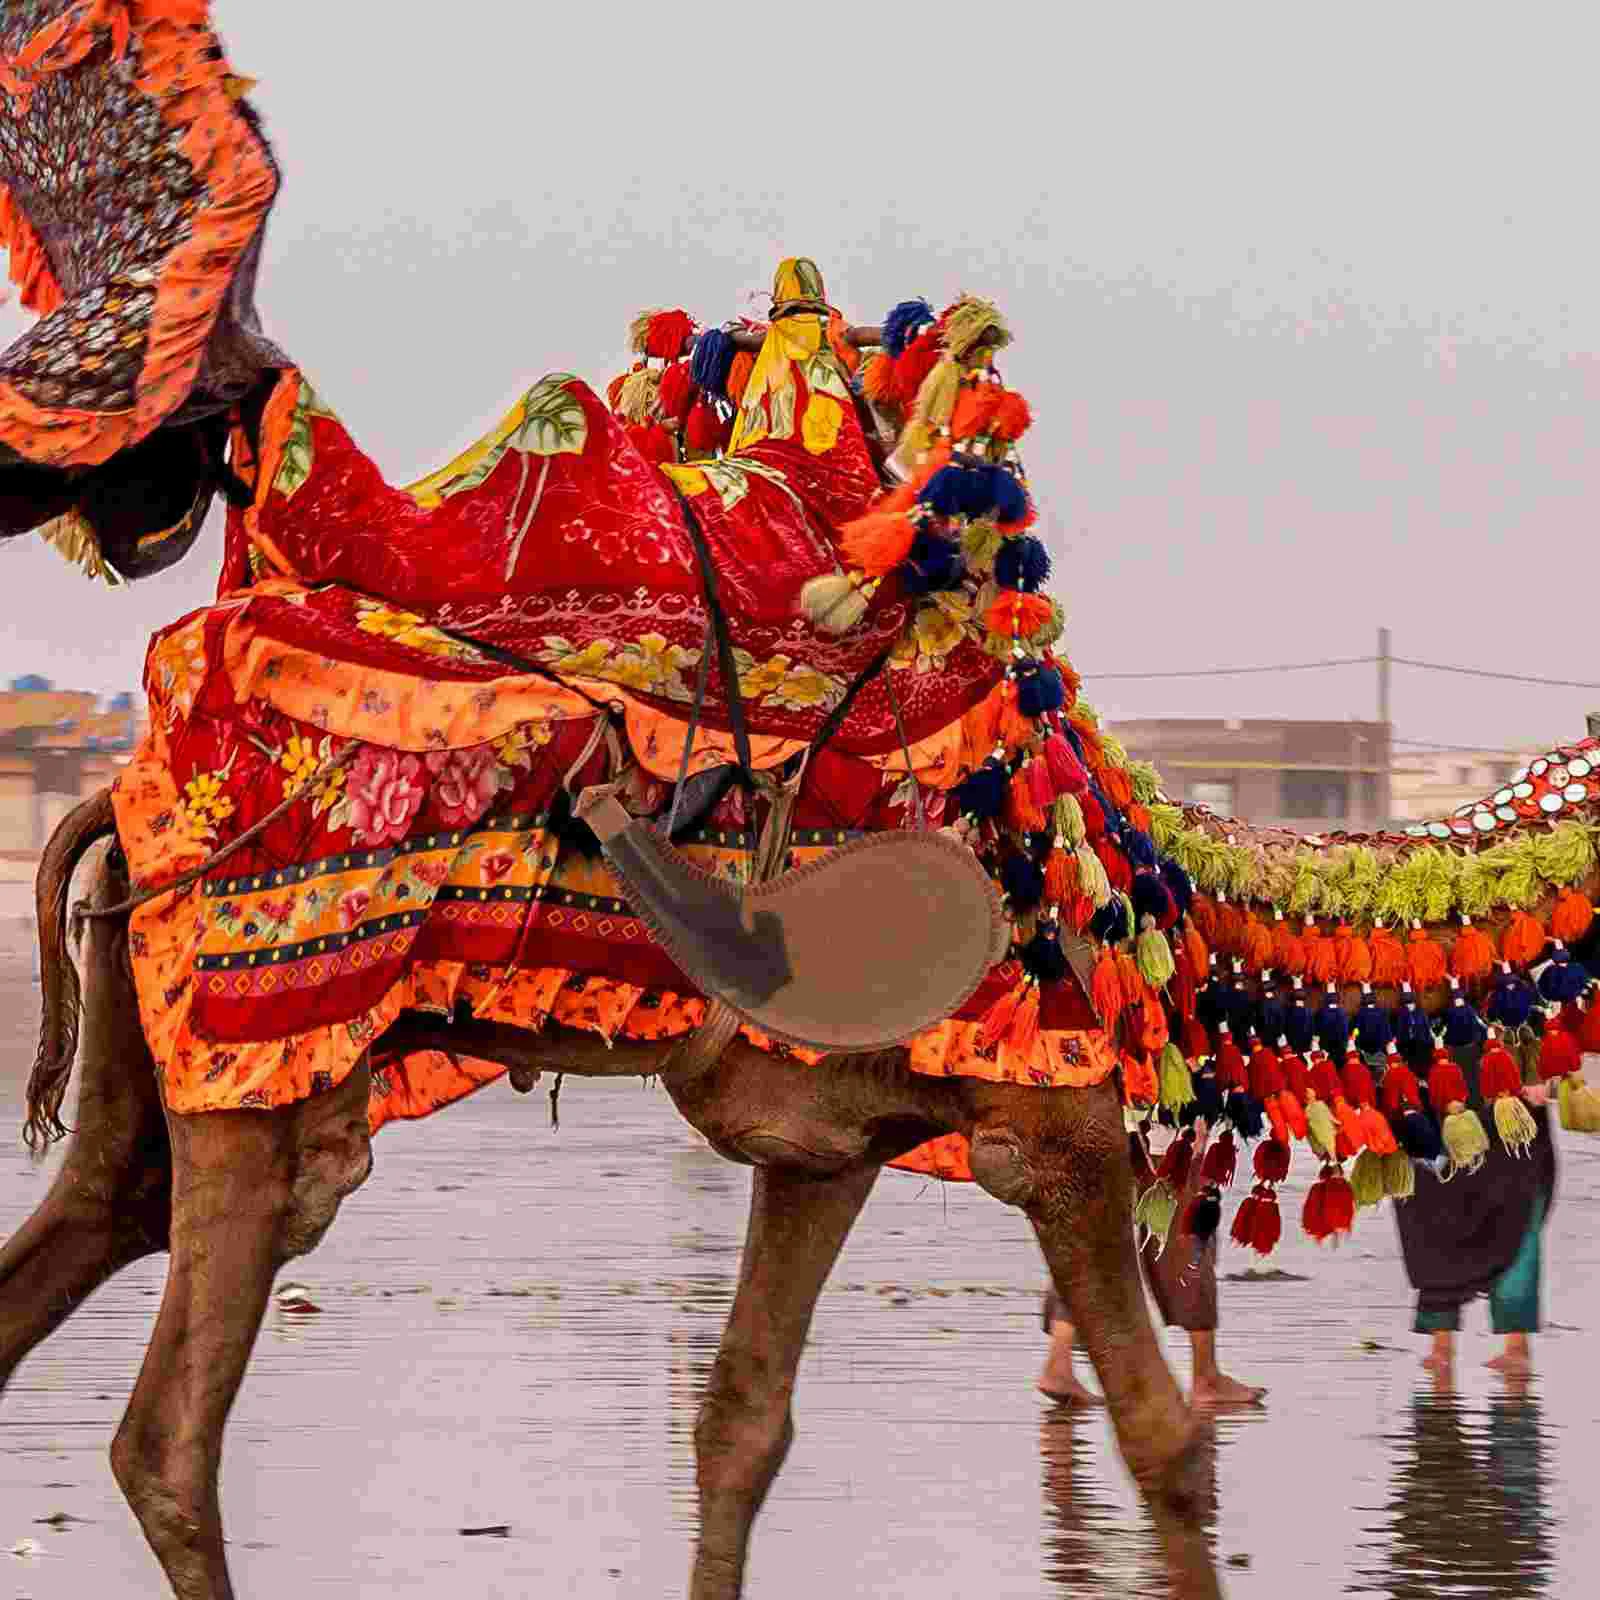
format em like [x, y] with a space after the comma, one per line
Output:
[1465, 749]
[1504, 677]
[1236, 672]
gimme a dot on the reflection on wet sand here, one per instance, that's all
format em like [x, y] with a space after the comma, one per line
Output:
[1466, 1512]
[1087, 1547]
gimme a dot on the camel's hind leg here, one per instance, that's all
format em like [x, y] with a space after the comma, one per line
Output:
[251, 1189]
[109, 1203]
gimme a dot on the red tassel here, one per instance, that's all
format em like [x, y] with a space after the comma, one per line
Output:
[705, 432]
[1498, 1072]
[1358, 1089]
[1016, 615]
[1288, 950]
[1524, 940]
[1094, 819]
[1401, 1092]
[1117, 785]
[1272, 1161]
[1012, 416]
[1446, 1084]
[1119, 870]
[1325, 1079]
[1473, 955]
[1339, 1202]
[1230, 929]
[1296, 1075]
[654, 443]
[976, 405]
[1314, 1218]
[1175, 1164]
[1571, 916]
[1039, 784]
[1222, 1160]
[1589, 1032]
[1558, 1053]
[1194, 947]
[1243, 1231]
[676, 393]
[1349, 1123]
[1231, 1072]
[739, 375]
[1196, 1042]
[1266, 1075]
[1276, 1119]
[1105, 991]
[1182, 990]
[912, 365]
[1066, 771]
[1424, 960]
[1267, 1225]
[1388, 959]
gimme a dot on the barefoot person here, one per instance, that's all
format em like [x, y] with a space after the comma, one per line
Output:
[1480, 1233]
[1183, 1283]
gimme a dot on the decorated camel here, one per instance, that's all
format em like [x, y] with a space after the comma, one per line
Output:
[717, 731]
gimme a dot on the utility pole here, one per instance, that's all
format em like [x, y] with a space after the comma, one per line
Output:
[1386, 752]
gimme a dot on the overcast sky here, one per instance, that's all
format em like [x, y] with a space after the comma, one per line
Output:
[1307, 300]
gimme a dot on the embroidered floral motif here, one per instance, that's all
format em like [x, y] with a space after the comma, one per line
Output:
[204, 805]
[407, 628]
[385, 792]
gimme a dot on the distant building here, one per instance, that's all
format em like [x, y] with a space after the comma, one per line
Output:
[57, 746]
[1312, 776]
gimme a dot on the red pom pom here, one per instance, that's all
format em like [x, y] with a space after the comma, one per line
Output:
[705, 432]
[1012, 417]
[676, 393]
[975, 409]
[668, 335]
[913, 365]
[654, 443]
[1272, 1161]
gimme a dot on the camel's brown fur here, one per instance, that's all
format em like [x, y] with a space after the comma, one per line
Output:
[235, 1195]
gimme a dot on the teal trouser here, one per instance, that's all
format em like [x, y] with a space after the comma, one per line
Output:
[1514, 1298]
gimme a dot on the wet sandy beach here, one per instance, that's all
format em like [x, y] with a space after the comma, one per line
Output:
[515, 1324]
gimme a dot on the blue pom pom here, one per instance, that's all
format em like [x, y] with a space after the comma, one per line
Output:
[1040, 691]
[711, 361]
[1138, 847]
[982, 793]
[1246, 1115]
[1023, 882]
[1150, 898]
[1110, 923]
[1023, 563]
[904, 323]
[1373, 1027]
[1418, 1136]
[934, 563]
[948, 491]
[1462, 1025]
[1178, 886]
[1044, 959]
[1333, 1027]
[1299, 1027]
[1008, 500]
[1563, 979]
[1511, 1002]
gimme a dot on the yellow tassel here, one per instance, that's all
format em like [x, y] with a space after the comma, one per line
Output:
[637, 402]
[237, 87]
[1580, 1105]
[1366, 1177]
[837, 601]
[1514, 1123]
[967, 324]
[639, 330]
[1399, 1177]
[71, 537]
[1465, 1140]
[1322, 1132]
[936, 399]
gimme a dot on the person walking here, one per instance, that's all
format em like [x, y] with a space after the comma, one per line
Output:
[1183, 1283]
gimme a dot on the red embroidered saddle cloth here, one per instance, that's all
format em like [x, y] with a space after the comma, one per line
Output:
[554, 538]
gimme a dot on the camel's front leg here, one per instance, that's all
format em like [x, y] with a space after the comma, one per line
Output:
[1062, 1157]
[798, 1223]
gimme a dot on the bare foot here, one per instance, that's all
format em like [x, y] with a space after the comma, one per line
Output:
[1067, 1391]
[1511, 1363]
[1223, 1393]
[1436, 1363]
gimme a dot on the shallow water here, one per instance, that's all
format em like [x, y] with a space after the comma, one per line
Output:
[516, 1324]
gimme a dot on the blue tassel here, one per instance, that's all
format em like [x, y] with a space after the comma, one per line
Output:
[1207, 1103]
[1245, 1114]
[1462, 1025]
[1511, 1002]
[1040, 691]
[1178, 885]
[1150, 898]
[1138, 847]
[1209, 1006]
[1023, 881]
[1008, 500]
[904, 323]
[711, 360]
[1043, 958]
[1110, 923]
[1373, 1027]
[1418, 1136]
[1412, 1030]
[1274, 1019]
[1563, 979]
[1022, 563]
[1243, 1015]
[934, 563]
[1299, 1028]
[1333, 1027]
[983, 793]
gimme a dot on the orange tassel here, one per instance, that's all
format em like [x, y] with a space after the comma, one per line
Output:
[877, 378]
[1139, 1085]
[1117, 785]
[1133, 985]
[1203, 917]
[1194, 947]
[1016, 615]
[1349, 1120]
[998, 1018]
[1388, 958]
[1022, 810]
[1294, 1115]
[1080, 913]
[1012, 415]
[1023, 1034]
[1105, 991]
[1154, 1031]
[739, 375]
[1257, 951]
[1060, 877]
[1288, 951]
[1016, 728]
[1352, 958]
[878, 542]
[980, 728]
[1524, 940]
[1376, 1133]
[1274, 1110]
[1424, 960]
[1230, 929]
[1472, 956]
[975, 409]
[1321, 961]
[1570, 918]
